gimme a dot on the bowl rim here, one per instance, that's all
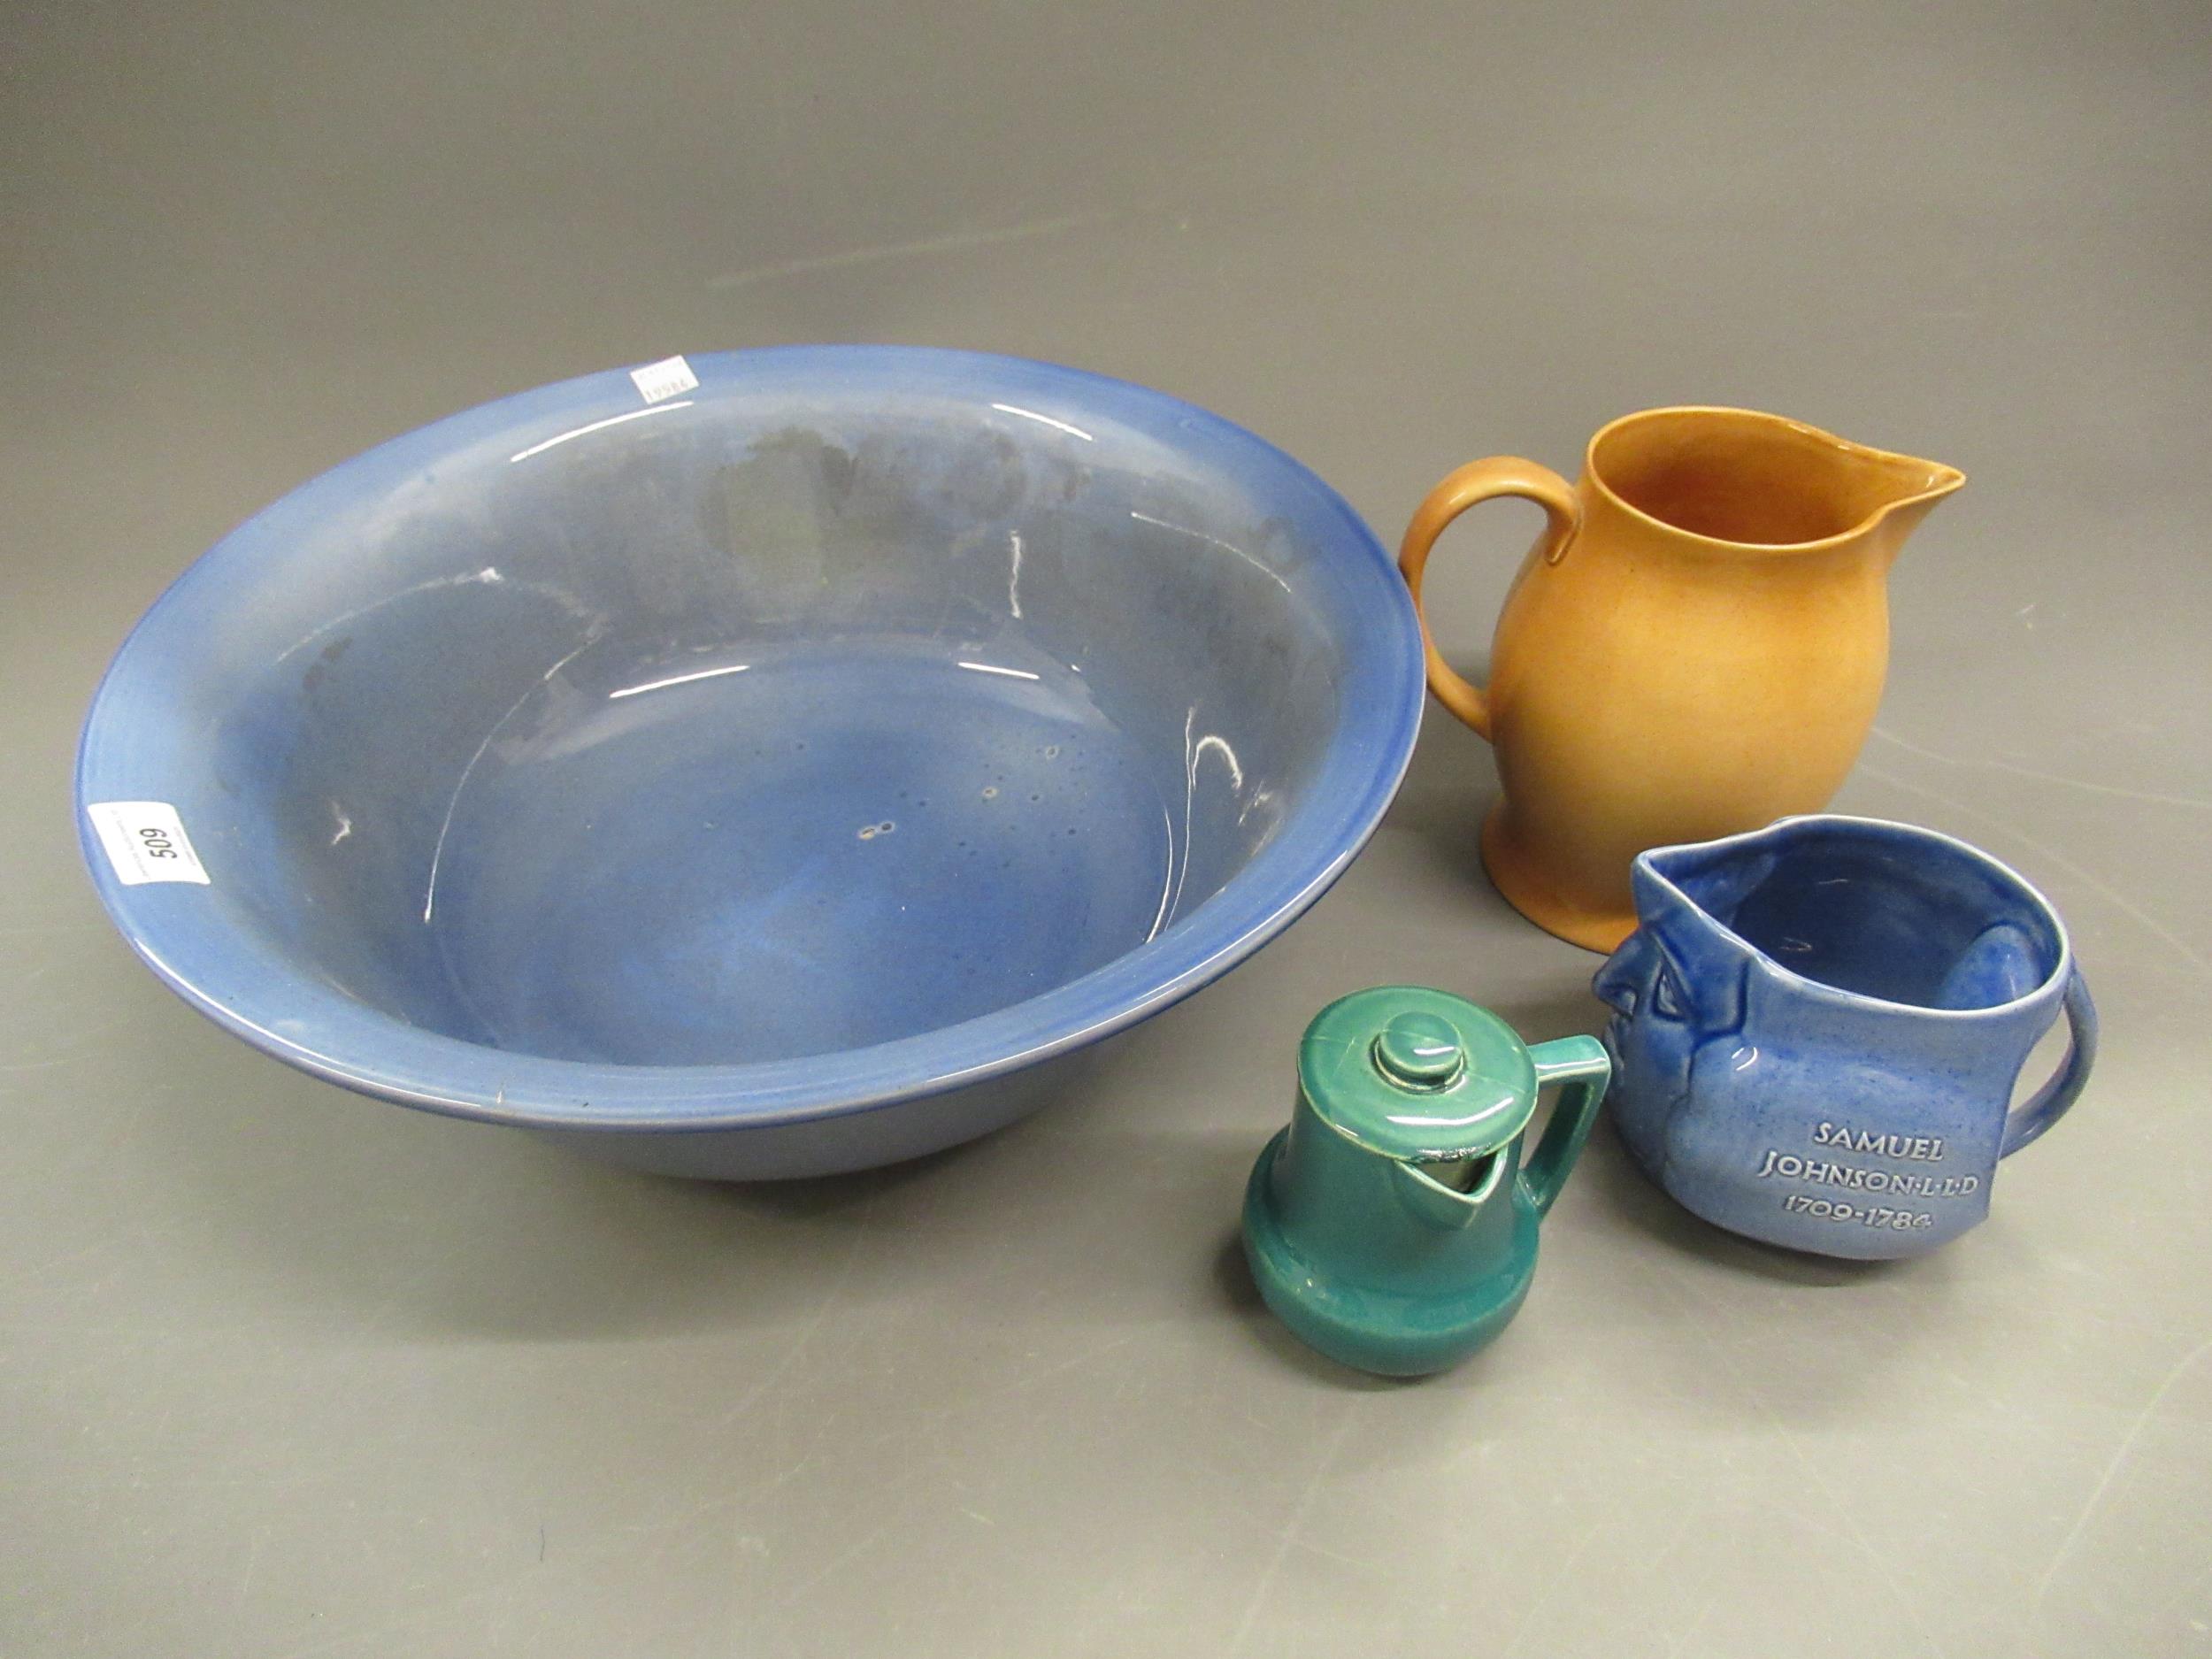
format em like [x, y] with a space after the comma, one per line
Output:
[219, 968]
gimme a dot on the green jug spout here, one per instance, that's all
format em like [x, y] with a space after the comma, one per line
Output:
[1433, 1193]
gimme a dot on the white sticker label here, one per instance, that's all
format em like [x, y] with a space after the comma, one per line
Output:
[145, 841]
[657, 382]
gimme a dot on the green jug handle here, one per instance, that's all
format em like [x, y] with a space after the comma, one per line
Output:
[1581, 1065]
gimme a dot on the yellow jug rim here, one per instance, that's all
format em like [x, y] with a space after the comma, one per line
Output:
[1941, 479]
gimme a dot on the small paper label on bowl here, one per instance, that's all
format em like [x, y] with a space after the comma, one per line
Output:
[664, 379]
[145, 841]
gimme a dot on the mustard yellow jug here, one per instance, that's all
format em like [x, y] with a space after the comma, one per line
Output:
[1694, 646]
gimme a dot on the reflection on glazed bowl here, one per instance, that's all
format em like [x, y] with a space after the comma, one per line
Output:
[758, 777]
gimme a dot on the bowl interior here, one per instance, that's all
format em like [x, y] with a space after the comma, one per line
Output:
[844, 698]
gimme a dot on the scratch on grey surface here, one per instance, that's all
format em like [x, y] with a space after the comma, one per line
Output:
[1705, 1584]
[2155, 799]
[377, 1637]
[1674, 1648]
[790, 1357]
[1531, 1613]
[1292, 1525]
[972, 1400]
[2112, 1467]
[1851, 1525]
[776, 1373]
[1689, 1512]
[836, 1563]
[699, 1510]
[952, 242]
[2189, 1587]
[2119, 902]
[106, 1028]
[1382, 1565]
[1362, 1563]
[239, 1603]
[1851, 1530]
[253, 1560]
[80, 1039]
[34, 1271]
[1030, 1379]
[806, 1461]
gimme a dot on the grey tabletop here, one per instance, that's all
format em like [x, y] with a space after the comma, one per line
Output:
[288, 1371]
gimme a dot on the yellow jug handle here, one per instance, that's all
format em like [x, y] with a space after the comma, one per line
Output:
[1479, 480]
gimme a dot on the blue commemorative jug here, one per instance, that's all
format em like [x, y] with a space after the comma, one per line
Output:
[1817, 1026]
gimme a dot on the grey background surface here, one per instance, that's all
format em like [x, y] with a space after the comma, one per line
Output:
[284, 1372]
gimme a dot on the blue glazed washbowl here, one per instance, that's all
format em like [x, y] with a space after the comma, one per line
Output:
[782, 774]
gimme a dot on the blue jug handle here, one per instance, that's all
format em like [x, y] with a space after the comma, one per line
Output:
[1581, 1064]
[2031, 1117]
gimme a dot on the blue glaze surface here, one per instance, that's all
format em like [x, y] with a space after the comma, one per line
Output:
[1817, 1028]
[733, 785]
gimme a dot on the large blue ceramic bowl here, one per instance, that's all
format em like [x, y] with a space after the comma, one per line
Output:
[759, 777]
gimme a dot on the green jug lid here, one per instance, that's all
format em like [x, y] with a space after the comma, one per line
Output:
[1417, 1075]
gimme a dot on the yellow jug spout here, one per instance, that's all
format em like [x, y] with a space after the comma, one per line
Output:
[1888, 484]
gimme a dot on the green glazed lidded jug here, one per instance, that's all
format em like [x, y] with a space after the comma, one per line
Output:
[1393, 1224]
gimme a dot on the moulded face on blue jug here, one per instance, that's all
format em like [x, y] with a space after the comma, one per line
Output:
[761, 764]
[1817, 1028]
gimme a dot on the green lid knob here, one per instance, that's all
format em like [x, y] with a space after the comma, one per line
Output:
[1419, 1050]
